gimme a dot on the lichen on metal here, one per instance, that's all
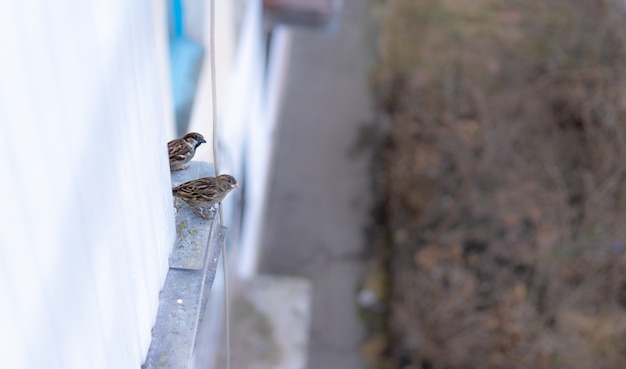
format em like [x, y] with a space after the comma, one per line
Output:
[182, 300]
[191, 234]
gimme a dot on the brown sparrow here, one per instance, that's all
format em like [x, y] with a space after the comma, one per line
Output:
[203, 192]
[183, 149]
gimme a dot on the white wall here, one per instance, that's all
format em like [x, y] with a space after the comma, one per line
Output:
[260, 143]
[198, 27]
[249, 96]
[86, 221]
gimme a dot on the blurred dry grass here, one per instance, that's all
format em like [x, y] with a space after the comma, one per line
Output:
[503, 178]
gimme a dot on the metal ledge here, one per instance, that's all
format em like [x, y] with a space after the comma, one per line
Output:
[192, 232]
[182, 300]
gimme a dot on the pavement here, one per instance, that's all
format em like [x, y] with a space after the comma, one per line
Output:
[319, 197]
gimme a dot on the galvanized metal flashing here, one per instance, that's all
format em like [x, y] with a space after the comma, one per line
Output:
[191, 233]
[193, 265]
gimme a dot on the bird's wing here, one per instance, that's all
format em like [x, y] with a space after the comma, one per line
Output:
[178, 150]
[201, 189]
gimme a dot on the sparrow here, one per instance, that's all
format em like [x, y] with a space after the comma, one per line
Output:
[204, 192]
[181, 150]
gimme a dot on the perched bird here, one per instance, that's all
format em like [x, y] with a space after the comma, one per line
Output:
[183, 149]
[204, 192]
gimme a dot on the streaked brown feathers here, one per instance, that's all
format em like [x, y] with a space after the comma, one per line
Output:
[206, 191]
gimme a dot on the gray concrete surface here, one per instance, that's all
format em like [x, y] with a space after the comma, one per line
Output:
[319, 197]
[193, 265]
[270, 316]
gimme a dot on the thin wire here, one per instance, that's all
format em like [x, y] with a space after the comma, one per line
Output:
[217, 172]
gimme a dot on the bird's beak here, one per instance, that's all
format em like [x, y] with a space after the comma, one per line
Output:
[235, 186]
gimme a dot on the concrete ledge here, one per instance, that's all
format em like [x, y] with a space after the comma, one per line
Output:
[193, 265]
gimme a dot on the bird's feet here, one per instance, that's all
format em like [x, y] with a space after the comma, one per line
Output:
[201, 213]
[181, 168]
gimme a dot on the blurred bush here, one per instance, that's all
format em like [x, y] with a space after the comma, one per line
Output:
[503, 178]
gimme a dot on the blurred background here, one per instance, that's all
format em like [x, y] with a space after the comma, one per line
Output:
[501, 179]
[424, 183]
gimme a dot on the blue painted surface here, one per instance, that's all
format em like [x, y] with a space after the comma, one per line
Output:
[185, 62]
[177, 19]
